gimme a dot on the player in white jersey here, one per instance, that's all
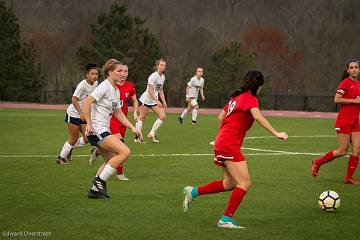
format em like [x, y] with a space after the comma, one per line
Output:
[98, 109]
[194, 86]
[153, 98]
[75, 118]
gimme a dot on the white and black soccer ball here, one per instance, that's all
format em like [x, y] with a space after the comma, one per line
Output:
[329, 201]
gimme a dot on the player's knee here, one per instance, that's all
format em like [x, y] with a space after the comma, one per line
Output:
[141, 118]
[342, 152]
[162, 117]
[72, 141]
[245, 185]
[125, 152]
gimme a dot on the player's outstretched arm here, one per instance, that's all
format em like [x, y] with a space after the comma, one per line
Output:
[264, 123]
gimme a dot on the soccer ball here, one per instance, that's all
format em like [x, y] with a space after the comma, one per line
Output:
[329, 201]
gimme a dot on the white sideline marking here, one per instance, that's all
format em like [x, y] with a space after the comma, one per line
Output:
[311, 136]
[282, 152]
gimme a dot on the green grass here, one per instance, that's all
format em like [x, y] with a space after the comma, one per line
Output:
[38, 195]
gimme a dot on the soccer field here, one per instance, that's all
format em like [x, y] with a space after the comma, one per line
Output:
[37, 195]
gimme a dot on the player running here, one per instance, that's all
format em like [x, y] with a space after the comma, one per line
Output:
[127, 92]
[99, 106]
[347, 123]
[241, 111]
[194, 86]
[75, 118]
[153, 98]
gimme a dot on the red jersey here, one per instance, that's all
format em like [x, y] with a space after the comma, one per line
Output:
[237, 121]
[349, 113]
[126, 92]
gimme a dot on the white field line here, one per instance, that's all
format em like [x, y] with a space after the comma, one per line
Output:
[282, 152]
[311, 136]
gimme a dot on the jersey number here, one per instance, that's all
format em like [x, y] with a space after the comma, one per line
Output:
[231, 107]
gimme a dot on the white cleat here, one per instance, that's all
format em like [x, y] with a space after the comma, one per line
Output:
[153, 138]
[187, 198]
[228, 222]
[212, 143]
[92, 156]
[122, 177]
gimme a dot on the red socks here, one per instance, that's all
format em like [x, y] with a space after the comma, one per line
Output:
[352, 165]
[212, 187]
[236, 197]
[326, 158]
[120, 169]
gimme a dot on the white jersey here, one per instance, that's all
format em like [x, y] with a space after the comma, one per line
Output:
[158, 82]
[83, 89]
[107, 99]
[194, 86]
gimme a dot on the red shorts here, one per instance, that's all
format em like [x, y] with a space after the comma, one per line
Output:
[348, 129]
[220, 157]
[117, 127]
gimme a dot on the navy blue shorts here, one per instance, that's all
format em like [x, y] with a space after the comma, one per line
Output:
[75, 121]
[148, 105]
[97, 138]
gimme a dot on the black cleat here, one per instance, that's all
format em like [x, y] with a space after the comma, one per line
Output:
[180, 120]
[94, 195]
[193, 122]
[101, 186]
[69, 156]
[61, 161]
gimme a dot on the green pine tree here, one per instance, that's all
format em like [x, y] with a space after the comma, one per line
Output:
[227, 68]
[123, 37]
[20, 76]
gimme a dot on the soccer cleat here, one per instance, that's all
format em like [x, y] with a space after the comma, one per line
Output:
[94, 195]
[228, 222]
[212, 143]
[193, 122]
[314, 168]
[101, 186]
[187, 198]
[138, 140]
[153, 138]
[180, 120]
[93, 156]
[122, 177]
[69, 156]
[351, 181]
[61, 161]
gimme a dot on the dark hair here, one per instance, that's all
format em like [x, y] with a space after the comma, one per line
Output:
[252, 81]
[91, 66]
[345, 74]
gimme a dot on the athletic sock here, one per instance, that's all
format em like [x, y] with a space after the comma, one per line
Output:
[120, 169]
[80, 142]
[212, 187]
[65, 150]
[107, 172]
[183, 115]
[156, 126]
[328, 157]
[194, 114]
[138, 125]
[237, 195]
[352, 165]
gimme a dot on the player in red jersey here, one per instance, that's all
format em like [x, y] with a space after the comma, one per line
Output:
[127, 93]
[347, 123]
[240, 113]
